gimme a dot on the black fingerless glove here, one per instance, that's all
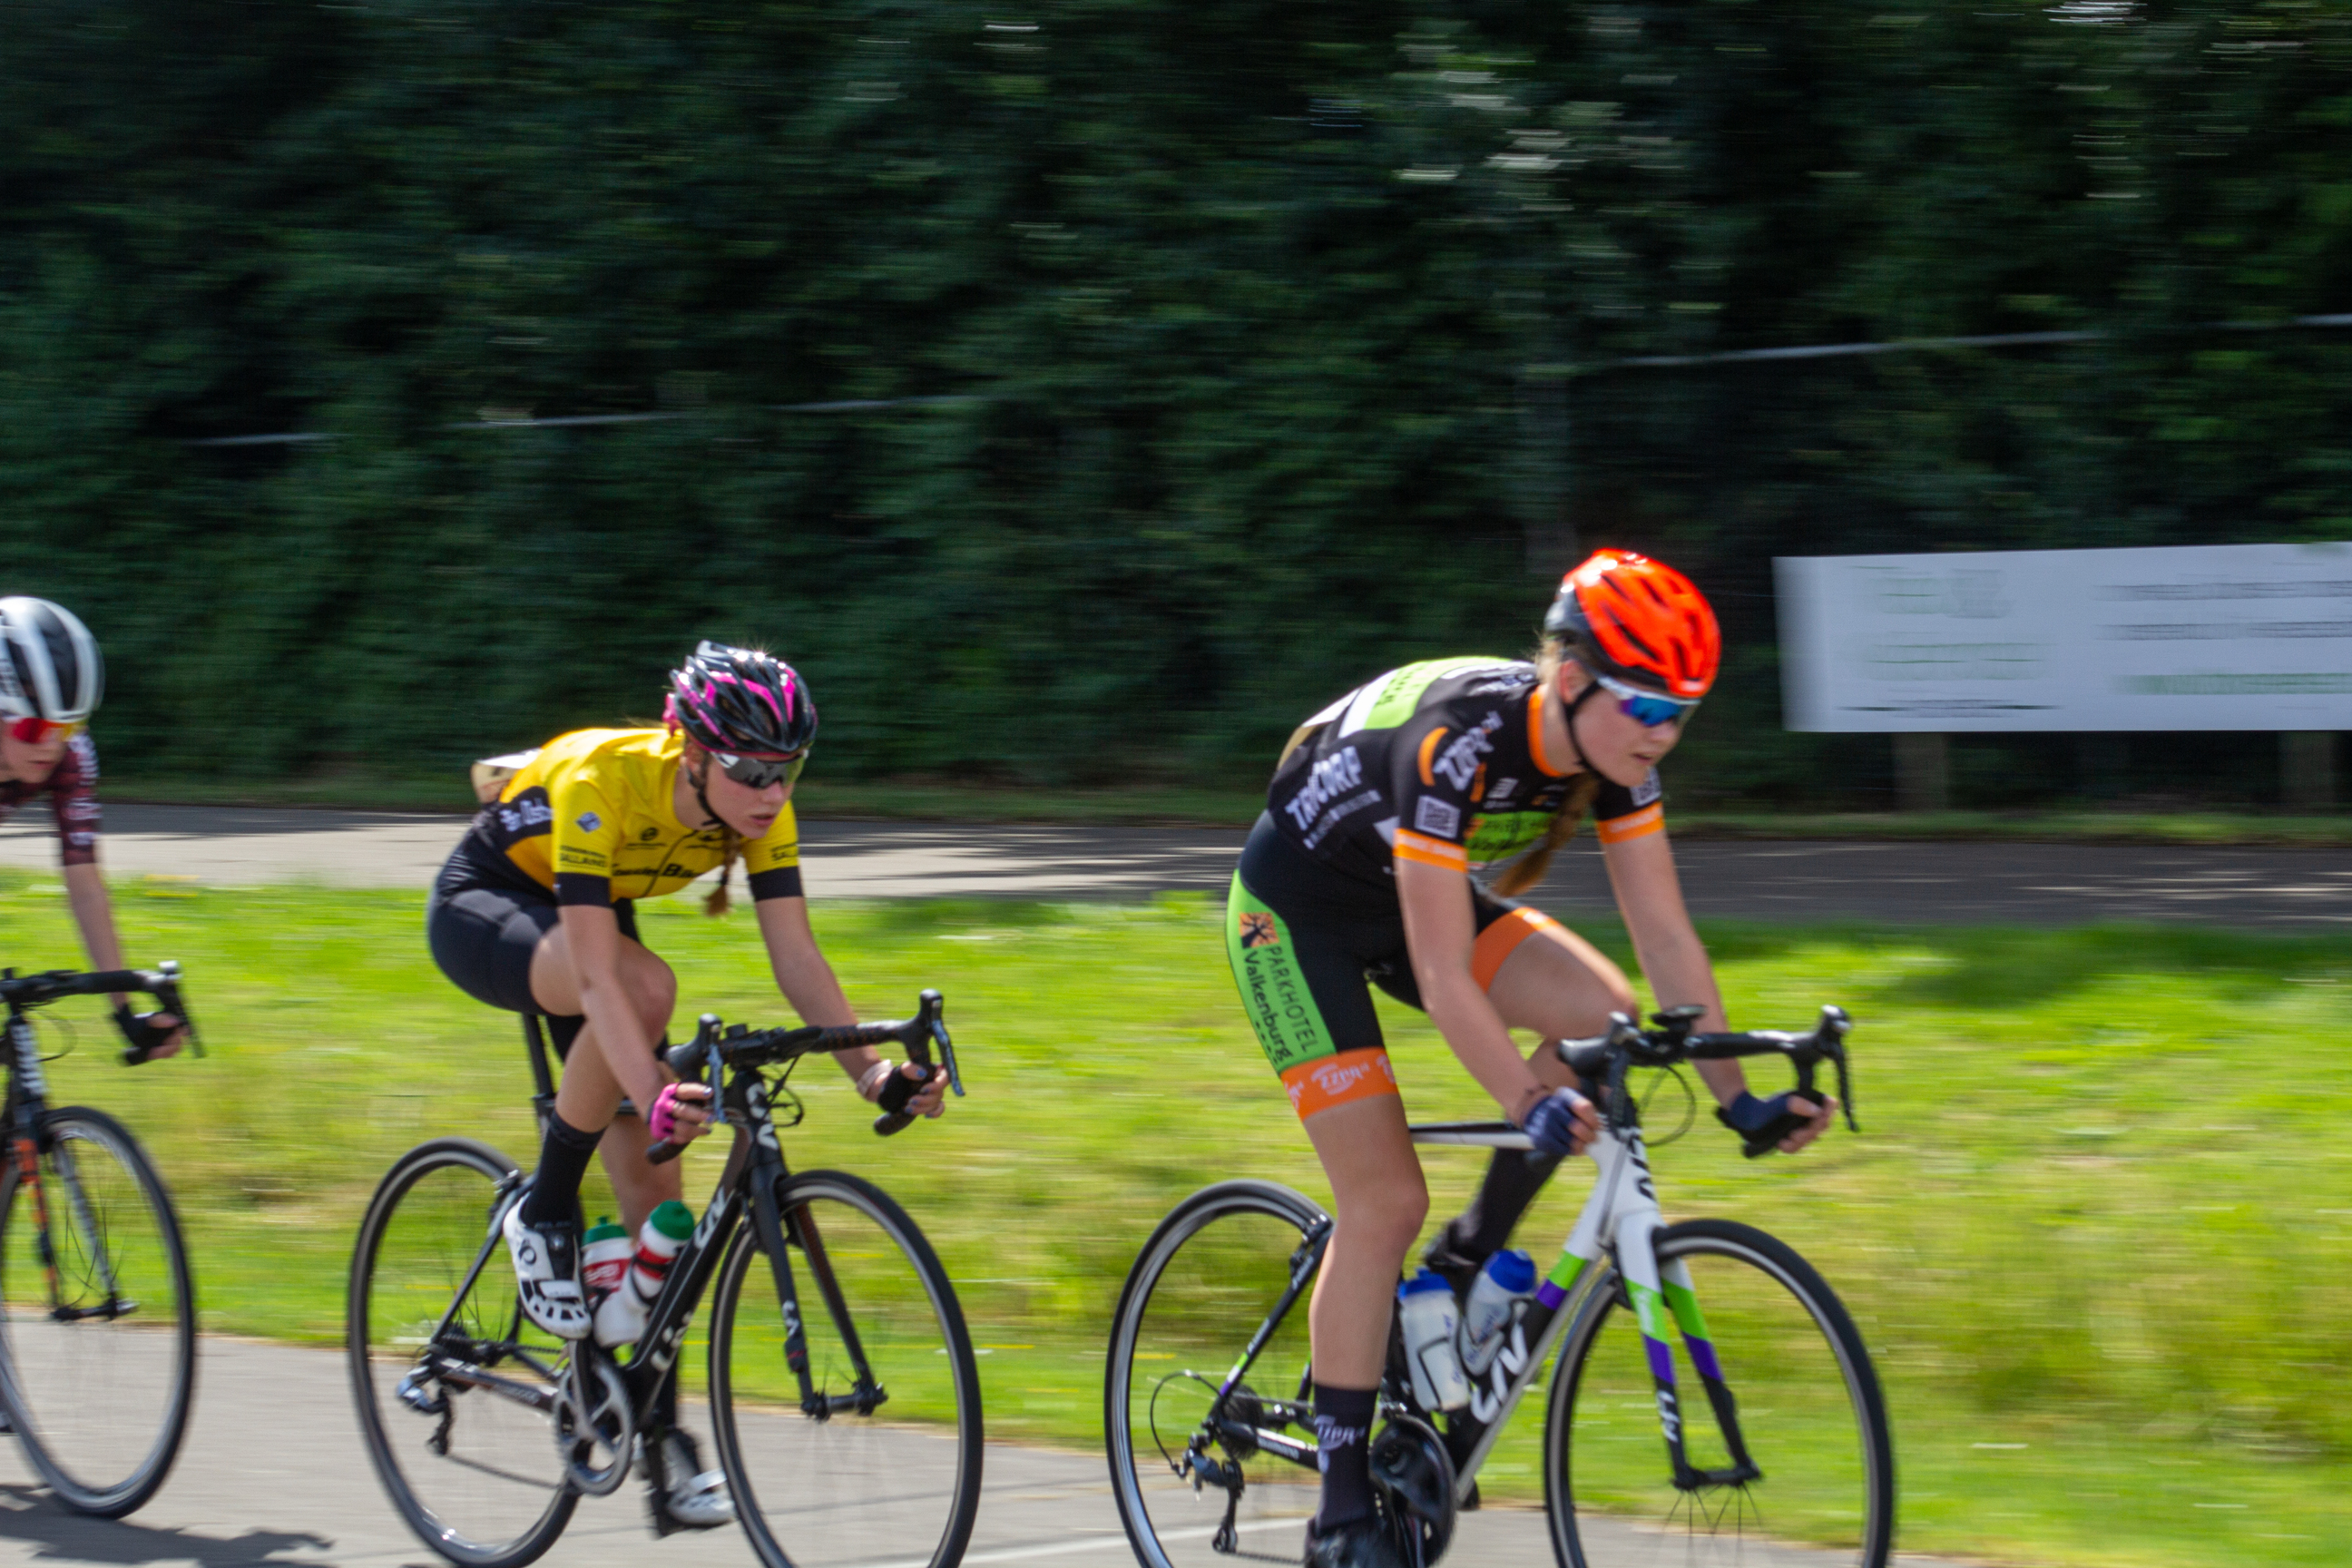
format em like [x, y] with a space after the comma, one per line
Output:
[146, 1037]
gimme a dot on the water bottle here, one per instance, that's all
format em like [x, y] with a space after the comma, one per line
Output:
[622, 1318]
[604, 1254]
[1509, 1280]
[1426, 1313]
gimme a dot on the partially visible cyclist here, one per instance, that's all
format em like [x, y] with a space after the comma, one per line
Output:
[1388, 813]
[51, 679]
[535, 912]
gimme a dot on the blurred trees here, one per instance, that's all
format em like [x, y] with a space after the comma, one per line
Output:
[1287, 342]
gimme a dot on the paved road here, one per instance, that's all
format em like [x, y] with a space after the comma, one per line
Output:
[2043, 884]
[273, 1473]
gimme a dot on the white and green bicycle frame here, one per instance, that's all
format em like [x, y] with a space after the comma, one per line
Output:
[1620, 1221]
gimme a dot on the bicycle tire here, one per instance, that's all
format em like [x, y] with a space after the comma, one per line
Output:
[1765, 1350]
[463, 1227]
[888, 1286]
[1290, 1216]
[55, 1433]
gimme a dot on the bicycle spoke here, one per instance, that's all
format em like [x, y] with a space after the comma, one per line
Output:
[456, 1392]
[878, 1462]
[98, 1322]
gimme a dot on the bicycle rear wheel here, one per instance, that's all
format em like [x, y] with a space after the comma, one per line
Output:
[455, 1416]
[882, 1463]
[1808, 1408]
[98, 1355]
[1204, 1282]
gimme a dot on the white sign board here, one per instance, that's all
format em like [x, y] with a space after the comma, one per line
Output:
[2239, 636]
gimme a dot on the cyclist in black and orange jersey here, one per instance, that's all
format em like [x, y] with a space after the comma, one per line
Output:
[1400, 820]
[535, 913]
[51, 679]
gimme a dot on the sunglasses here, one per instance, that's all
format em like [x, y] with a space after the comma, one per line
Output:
[759, 772]
[34, 731]
[1646, 708]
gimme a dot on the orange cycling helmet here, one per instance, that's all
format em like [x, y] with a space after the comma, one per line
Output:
[1629, 618]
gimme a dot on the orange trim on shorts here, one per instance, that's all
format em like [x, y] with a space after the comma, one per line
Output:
[1429, 753]
[1340, 1079]
[1651, 819]
[1501, 939]
[1412, 845]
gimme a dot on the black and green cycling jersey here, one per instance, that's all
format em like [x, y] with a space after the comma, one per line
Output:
[1441, 761]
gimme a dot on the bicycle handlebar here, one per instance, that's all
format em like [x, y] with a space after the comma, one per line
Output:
[712, 1050]
[1604, 1059]
[161, 983]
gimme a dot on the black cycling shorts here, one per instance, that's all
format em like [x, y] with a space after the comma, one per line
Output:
[1306, 943]
[484, 930]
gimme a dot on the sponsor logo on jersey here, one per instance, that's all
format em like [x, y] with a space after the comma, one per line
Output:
[650, 833]
[576, 855]
[1501, 791]
[1258, 929]
[1442, 818]
[588, 822]
[1327, 780]
[1458, 764]
[1338, 814]
[527, 814]
[1649, 791]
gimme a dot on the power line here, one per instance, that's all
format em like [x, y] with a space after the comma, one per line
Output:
[577, 421]
[1638, 362]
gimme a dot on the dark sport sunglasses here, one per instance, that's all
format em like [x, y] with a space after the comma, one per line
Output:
[759, 772]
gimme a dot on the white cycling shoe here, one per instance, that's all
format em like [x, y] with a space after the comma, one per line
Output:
[686, 1495]
[547, 1275]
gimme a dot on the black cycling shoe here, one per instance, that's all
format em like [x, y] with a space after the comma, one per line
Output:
[1358, 1544]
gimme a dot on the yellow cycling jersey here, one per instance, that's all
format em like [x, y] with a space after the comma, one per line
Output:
[590, 816]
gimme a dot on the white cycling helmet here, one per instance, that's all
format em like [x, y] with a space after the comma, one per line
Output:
[49, 667]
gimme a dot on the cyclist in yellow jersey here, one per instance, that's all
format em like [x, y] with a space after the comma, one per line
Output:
[535, 912]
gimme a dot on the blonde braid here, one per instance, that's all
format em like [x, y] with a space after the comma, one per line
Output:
[1530, 869]
[718, 903]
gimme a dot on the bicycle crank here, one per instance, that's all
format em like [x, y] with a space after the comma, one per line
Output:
[1413, 1476]
[596, 1430]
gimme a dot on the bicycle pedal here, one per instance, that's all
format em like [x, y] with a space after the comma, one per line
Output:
[414, 1393]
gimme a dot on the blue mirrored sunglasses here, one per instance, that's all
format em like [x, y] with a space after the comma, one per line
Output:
[1647, 709]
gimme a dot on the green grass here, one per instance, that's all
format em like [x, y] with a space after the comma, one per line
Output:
[2097, 1230]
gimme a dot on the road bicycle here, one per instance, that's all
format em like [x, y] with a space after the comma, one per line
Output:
[1789, 1443]
[848, 1424]
[98, 1315]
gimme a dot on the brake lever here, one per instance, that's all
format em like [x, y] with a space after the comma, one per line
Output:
[934, 1009]
[167, 995]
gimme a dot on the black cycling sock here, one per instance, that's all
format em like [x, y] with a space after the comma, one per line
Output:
[1343, 1430]
[564, 1157]
[1514, 1179]
[665, 1413]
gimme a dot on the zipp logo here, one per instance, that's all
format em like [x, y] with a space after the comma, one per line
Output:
[1458, 764]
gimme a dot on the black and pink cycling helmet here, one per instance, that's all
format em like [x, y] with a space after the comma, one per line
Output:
[740, 702]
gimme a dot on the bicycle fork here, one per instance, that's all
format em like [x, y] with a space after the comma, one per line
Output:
[1631, 1218]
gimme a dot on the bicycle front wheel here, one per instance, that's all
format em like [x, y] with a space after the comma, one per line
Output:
[97, 1340]
[1806, 1407]
[1210, 1274]
[453, 1384]
[873, 1454]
